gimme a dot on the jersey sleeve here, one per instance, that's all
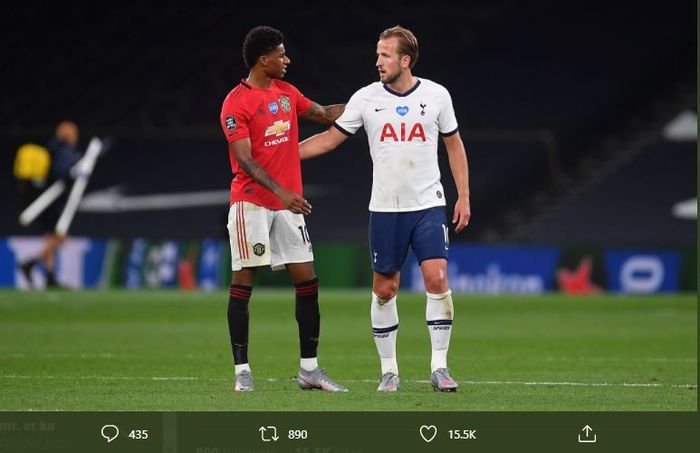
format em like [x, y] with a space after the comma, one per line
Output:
[234, 122]
[447, 121]
[351, 120]
[302, 102]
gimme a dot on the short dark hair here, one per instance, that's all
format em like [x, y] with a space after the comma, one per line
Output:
[260, 41]
[408, 44]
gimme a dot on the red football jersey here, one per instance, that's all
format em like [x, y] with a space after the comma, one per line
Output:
[268, 116]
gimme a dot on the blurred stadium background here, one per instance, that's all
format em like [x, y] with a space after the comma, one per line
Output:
[579, 121]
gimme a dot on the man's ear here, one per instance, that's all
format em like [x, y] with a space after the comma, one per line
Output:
[405, 61]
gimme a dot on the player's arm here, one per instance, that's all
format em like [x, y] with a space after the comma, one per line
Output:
[457, 156]
[323, 114]
[321, 143]
[293, 201]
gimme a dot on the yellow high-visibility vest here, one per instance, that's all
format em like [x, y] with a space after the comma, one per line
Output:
[32, 162]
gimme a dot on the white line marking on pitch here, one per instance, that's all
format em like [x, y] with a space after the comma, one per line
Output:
[370, 381]
[622, 359]
[545, 383]
[116, 378]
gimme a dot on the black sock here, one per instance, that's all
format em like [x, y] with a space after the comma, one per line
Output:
[51, 278]
[29, 263]
[238, 298]
[308, 317]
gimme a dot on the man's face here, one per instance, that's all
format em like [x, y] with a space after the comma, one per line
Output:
[388, 60]
[67, 132]
[276, 62]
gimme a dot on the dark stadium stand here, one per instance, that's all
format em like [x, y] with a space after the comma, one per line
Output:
[536, 86]
[631, 205]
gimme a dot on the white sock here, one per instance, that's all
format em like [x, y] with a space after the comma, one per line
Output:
[385, 326]
[439, 312]
[241, 367]
[309, 364]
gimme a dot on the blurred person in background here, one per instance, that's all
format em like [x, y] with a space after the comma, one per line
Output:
[48, 167]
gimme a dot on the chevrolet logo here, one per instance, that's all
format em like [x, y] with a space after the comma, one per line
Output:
[279, 127]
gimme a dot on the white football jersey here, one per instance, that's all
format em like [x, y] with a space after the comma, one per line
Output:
[403, 132]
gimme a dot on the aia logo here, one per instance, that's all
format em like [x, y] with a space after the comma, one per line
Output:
[389, 133]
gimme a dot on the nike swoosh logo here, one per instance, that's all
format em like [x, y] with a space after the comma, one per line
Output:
[379, 110]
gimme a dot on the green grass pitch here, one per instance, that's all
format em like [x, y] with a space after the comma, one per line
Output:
[169, 350]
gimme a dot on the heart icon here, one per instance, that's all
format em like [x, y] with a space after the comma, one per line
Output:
[428, 433]
[402, 110]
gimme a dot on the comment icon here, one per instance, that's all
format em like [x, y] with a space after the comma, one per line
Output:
[109, 432]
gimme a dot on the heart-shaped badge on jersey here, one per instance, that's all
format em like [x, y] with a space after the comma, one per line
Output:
[402, 110]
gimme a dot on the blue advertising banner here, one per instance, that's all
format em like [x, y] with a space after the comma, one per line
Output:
[7, 265]
[476, 269]
[642, 272]
[472, 269]
[133, 275]
[80, 262]
[152, 264]
[210, 256]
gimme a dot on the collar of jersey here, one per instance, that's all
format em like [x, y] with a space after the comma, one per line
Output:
[245, 83]
[401, 95]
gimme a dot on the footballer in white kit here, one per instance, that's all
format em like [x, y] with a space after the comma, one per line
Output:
[405, 117]
[403, 132]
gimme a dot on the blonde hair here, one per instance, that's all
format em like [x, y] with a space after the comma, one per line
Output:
[408, 44]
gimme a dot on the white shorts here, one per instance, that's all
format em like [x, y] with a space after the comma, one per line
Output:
[260, 236]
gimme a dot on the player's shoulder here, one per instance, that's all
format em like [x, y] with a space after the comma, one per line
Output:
[237, 95]
[371, 89]
[283, 86]
[433, 87]
[368, 91]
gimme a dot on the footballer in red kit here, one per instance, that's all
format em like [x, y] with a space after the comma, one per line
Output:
[266, 215]
[268, 118]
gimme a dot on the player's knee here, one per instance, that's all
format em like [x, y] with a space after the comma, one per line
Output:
[386, 291]
[436, 282]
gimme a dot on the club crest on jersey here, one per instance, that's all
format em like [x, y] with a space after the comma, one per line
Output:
[285, 104]
[390, 133]
[273, 107]
[230, 122]
[259, 249]
[402, 110]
